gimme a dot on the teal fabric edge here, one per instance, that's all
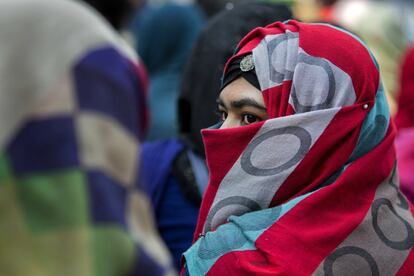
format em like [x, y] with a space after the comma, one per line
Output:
[239, 234]
[373, 131]
[374, 127]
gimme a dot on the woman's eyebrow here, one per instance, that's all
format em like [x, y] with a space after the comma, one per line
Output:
[247, 102]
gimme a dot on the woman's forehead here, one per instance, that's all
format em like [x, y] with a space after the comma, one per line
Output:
[239, 89]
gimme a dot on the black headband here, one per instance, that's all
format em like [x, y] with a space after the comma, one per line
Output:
[241, 67]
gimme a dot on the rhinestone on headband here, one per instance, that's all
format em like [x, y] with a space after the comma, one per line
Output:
[246, 64]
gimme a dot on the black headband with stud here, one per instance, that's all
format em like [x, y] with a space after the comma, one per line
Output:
[241, 67]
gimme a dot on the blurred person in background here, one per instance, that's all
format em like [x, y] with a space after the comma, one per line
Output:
[314, 10]
[173, 171]
[387, 28]
[72, 116]
[212, 7]
[307, 10]
[404, 121]
[117, 12]
[164, 38]
[327, 10]
[302, 167]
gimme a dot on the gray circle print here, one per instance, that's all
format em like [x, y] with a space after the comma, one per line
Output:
[405, 244]
[305, 144]
[299, 108]
[274, 75]
[403, 204]
[234, 200]
[349, 250]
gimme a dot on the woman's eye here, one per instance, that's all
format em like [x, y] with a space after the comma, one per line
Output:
[250, 119]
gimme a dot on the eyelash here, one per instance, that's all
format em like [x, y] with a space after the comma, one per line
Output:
[256, 119]
[222, 115]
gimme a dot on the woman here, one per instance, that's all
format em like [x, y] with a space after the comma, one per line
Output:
[72, 114]
[302, 169]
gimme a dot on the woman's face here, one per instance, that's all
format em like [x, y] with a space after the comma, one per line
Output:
[240, 104]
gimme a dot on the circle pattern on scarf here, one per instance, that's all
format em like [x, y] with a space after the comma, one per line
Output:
[313, 94]
[403, 204]
[250, 204]
[404, 244]
[305, 143]
[390, 234]
[282, 66]
[343, 252]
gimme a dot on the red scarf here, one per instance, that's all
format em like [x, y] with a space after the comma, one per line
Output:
[329, 139]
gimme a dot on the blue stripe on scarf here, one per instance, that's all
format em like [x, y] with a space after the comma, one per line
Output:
[375, 126]
[373, 131]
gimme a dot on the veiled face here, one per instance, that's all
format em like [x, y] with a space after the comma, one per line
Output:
[240, 104]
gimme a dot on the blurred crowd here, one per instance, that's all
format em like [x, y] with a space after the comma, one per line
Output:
[104, 169]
